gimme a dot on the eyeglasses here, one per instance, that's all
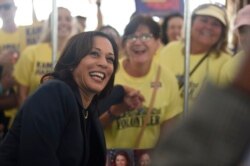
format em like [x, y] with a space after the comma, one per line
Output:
[143, 37]
[6, 6]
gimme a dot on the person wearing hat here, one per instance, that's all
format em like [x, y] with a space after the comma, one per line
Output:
[242, 30]
[208, 50]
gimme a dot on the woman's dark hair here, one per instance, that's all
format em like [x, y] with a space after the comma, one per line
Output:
[123, 153]
[138, 20]
[77, 48]
[164, 26]
[107, 28]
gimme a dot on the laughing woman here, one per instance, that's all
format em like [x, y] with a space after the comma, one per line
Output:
[141, 128]
[58, 124]
[208, 51]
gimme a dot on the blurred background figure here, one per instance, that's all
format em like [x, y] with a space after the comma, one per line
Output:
[12, 41]
[171, 28]
[111, 31]
[81, 23]
[144, 159]
[208, 51]
[242, 30]
[36, 60]
[12, 36]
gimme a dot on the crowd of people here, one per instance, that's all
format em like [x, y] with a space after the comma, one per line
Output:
[112, 91]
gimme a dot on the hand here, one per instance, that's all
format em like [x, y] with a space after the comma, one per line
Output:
[8, 56]
[131, 100]
[98, 3]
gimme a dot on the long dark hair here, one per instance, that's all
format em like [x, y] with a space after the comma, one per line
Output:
[77, 48]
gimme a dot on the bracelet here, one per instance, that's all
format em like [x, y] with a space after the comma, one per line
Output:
[111, 115]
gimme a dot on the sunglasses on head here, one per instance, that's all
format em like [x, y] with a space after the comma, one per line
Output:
[6, 6]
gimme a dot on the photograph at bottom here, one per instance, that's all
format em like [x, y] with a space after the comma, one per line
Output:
[128, 157]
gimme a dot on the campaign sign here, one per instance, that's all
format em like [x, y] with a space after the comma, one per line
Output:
[159, 7]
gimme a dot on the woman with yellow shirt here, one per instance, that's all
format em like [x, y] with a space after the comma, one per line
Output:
[208, 48]
[36, 60]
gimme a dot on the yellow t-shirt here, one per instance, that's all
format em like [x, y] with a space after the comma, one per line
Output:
[15, 40]
[172, 56]
[33, 32]
[229, 69]
[124, 131]
[35, 61]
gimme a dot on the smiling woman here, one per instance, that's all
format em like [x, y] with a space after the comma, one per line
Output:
[60, 119]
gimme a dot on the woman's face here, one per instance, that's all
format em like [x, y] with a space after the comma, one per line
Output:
[95, 69]
[120, 160]
[174, 28]
[145, 160]
[141, 46]
[206, 31]
[64, 23]
[7, 10]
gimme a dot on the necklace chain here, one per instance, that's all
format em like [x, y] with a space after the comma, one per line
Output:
[85, 114]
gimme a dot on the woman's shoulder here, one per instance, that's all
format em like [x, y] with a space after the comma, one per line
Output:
[55, 84]
[174, 45]
[36, 47]
[54, 88]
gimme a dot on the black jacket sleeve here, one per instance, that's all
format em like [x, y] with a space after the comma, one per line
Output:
[115, 97]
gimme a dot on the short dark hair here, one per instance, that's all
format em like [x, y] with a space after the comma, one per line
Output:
[81, 18]
[77, 48]
[164, 26]
[138, 20]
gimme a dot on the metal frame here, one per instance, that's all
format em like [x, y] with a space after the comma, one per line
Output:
[54, 25]
[187, 28]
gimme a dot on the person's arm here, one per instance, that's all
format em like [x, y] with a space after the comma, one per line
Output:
[115, 97]
[99, 15]
[216, 130]
[8, 98]
[22, 93]
[8, 102]
[121, 99]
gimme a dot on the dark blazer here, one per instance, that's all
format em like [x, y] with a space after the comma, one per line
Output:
[50, 130]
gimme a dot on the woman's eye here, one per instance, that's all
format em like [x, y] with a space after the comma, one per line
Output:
[204, 20]
[110, 59]
[94, 53]
[216, 24]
